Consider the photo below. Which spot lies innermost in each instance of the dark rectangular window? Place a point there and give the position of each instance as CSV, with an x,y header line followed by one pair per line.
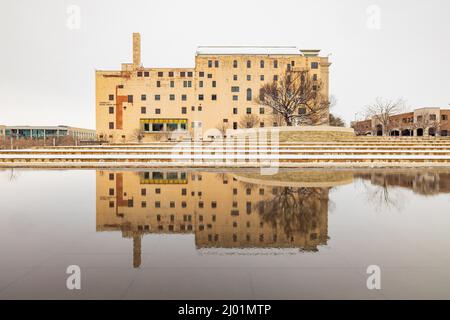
x,y
235,64
143,110
275,63
209,75
111,125
235,110
314,65
235,98
160,74
143,97
213,84
214,97
315,77
249,64
234,89
261,64
200,97
172,97
130,98
216,63
157,97
201,74
183,110
170,73
158,111
209,63
249,111
111,110
182,74
146,74
190,74
172,84
275,78
261,110
111,97
139,73
261,77
235,77
183,97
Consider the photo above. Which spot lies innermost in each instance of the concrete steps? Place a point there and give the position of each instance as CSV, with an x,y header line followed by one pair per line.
x,y
345,153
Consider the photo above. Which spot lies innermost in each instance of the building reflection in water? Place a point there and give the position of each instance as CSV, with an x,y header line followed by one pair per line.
x,y
222,210
424,182
237,210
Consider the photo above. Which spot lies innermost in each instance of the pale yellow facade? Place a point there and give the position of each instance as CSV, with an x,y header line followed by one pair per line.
x,y
217,93
218,208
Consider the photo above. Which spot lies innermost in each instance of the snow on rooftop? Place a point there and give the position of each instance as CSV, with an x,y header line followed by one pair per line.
x,y
224,50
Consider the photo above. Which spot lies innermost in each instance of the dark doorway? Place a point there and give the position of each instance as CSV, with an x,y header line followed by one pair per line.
x,y
406,133
420,132
379,130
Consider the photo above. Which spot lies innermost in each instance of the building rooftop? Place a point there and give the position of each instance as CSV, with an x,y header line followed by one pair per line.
x,y
250,50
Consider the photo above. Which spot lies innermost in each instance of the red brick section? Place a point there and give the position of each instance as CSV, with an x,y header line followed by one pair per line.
x,y
120,202
445,124
119,109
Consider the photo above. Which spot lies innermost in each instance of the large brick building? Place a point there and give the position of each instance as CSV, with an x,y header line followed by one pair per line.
x,y
217,92
420,122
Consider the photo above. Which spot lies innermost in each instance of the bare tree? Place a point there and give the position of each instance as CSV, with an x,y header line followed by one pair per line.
x,y
335,121
297,97
249,121
138,135
223,127
428,121
382,110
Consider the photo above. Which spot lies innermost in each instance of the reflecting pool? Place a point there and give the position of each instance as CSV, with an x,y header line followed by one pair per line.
x,y
214,234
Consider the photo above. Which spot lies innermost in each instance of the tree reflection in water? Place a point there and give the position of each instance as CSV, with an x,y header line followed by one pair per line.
x,y
294,209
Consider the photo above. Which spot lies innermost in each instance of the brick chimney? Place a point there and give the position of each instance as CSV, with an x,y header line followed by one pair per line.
x,y
136,49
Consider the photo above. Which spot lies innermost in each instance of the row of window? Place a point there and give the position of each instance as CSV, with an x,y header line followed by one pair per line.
x,y
215,64
262,64
200,108
200,97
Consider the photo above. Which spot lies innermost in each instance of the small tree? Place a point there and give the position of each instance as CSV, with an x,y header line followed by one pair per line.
x,y
428,121
335,121
249,121
297,97
223,127
382,110
138,135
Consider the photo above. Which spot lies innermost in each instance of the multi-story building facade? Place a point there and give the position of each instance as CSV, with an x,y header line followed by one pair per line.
x,y
41,132
420,122
218,92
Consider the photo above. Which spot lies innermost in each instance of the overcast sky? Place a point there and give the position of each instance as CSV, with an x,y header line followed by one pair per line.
x,y
378,48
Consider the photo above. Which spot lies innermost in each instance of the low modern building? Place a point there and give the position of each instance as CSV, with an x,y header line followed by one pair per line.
x,y
217,93
41,132
420,122
2,131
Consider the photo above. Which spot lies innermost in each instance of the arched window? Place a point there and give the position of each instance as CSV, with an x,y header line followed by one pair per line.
x,y
249,94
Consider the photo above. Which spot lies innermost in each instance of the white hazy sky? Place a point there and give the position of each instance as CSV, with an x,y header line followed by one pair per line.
x,y
47,69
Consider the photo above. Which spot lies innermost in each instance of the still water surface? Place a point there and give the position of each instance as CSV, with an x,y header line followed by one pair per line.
x,y
167,234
